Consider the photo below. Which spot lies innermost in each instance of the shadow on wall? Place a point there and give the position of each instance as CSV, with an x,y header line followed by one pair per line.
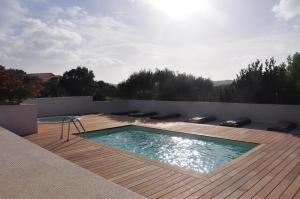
x,y
183,120
21,119
262,113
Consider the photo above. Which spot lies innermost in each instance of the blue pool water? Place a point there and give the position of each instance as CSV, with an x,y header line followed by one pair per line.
x,y
55,119
199,153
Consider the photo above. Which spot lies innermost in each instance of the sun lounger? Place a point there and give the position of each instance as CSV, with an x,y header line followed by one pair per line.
x,y
236,122
202,120
124,112
142,114
283,126
165,116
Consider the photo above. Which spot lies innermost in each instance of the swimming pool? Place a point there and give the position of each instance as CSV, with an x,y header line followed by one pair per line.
x,y
194,152
56,119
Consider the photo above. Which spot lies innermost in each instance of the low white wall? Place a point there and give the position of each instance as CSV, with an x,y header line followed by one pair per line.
x,y
21,119
52,106
266,113
110,106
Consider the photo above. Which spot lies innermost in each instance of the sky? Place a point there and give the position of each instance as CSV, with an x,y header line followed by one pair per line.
x,y
114,38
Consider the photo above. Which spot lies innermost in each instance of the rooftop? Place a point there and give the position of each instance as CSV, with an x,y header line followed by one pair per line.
x,y
43,76
271,170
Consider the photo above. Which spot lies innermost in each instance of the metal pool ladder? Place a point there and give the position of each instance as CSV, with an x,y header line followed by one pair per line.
x,y
69,120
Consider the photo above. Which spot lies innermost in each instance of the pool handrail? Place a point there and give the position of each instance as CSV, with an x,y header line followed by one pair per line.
x,y
70,119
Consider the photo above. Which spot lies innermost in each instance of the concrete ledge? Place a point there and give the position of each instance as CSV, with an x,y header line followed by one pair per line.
x,y
29,171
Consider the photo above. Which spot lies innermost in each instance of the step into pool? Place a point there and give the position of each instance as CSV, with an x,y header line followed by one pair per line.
x,y
194,152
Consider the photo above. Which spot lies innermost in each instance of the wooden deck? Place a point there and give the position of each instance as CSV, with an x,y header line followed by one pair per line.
x,y
271,170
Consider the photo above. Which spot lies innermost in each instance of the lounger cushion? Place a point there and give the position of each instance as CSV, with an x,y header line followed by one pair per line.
x,y
237,122
124,112
142,114
165,116
201,120
283,126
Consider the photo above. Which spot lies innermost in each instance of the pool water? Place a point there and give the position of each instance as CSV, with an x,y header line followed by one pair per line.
x,y
56,119
194,152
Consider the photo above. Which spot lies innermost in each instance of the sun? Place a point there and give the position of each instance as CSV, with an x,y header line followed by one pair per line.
x,y
181,9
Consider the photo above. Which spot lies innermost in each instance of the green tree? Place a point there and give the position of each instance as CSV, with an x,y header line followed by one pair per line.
x,y
78,82
293,67
165,85
52,88
104,91
266,83
137,86
293,73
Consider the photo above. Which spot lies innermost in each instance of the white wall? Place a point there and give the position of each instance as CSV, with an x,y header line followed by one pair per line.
x,y
53,106
266,113
21,119
110,106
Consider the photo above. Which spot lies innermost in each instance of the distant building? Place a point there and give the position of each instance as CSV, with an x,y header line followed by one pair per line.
x,y
43,76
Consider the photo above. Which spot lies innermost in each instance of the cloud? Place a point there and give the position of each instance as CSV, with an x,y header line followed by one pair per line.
x,y
60,37
11,12
287,9
68,37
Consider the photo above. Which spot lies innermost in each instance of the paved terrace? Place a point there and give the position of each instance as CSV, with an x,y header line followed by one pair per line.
x,y
271,170
28,171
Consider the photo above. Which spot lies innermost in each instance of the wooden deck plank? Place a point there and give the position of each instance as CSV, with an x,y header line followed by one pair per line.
x,y
144,178
291,191
133,174
150,174
165,184
271,170
162,182
250,188
185,187
216,187
283,185
171,188
224,175
146,185
274,181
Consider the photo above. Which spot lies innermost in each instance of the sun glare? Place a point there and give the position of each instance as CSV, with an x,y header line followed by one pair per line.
x,y
181,9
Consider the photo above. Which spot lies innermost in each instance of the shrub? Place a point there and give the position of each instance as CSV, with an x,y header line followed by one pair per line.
x,y
16,86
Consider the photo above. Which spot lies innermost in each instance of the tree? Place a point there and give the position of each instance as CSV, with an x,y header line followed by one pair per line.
x,y
52,88
16,85
266,83
104,91
137,86
165,85
293,67
78,82
293,73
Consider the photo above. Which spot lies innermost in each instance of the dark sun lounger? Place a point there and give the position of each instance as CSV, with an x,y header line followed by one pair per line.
x,y
201,120
283,126
142,114
165,116
237,122
124,112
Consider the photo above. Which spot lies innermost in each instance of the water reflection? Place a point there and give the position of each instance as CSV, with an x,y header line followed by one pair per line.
x,y
198,153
